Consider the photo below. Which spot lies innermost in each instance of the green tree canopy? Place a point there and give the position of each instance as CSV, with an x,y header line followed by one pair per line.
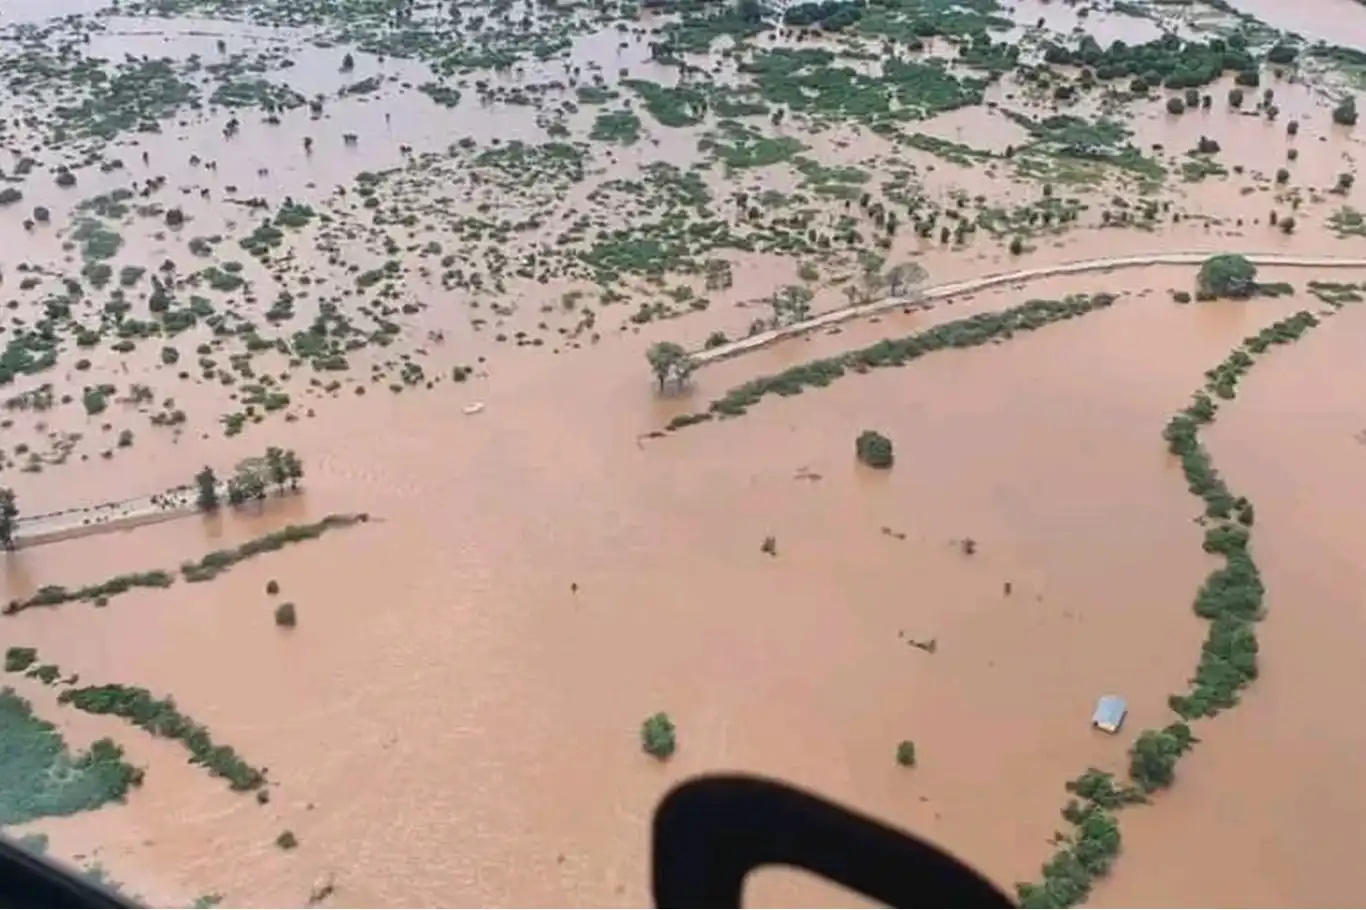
x,y
9,514
669,360
1153,757
658,736
1228,275
873,449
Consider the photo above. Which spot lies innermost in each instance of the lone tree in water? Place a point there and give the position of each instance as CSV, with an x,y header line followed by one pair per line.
x,y
873,449
206,482
1228,275
8,513
669,361
657,736
1345,114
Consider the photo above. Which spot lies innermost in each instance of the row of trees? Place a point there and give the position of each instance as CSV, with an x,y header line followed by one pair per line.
x,y
254,476
252,480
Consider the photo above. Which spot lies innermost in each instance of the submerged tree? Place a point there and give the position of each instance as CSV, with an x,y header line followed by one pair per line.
x,y
790,304
286,615
206,483
669,361
873,449
1345,113
1228,275
657,736
294,468
9,513
279,470
249,482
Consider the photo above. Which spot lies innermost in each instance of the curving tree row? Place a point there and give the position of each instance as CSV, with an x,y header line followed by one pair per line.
x,y
1231,599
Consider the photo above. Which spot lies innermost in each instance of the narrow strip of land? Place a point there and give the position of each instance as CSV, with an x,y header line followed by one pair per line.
x,y
939,292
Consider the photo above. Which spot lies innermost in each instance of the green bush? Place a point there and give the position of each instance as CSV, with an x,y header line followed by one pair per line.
x,y
286,616
1153,756
873,449
1228,275
17,660
657,736
905,753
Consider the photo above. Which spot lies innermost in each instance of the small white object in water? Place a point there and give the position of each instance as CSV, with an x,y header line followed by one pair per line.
x,y
475,408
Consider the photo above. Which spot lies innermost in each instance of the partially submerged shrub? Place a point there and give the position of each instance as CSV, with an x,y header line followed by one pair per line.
x,y
1228,275
286,616
657,736
17,660
873,449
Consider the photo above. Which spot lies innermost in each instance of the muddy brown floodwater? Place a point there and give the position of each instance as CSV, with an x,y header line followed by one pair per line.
x,y
455,721
457,727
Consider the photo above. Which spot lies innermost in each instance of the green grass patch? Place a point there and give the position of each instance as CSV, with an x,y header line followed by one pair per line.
x,y
41,778
622,127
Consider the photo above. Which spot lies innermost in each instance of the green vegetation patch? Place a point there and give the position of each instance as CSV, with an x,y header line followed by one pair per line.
x,y
809,81
658,736
671,106
622,127
98,593
740,146
41,778
160,717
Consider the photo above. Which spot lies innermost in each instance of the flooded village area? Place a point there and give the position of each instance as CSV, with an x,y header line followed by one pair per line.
x,y
430,430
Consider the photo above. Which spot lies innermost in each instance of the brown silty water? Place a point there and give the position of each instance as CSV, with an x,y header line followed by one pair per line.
x,y
452,724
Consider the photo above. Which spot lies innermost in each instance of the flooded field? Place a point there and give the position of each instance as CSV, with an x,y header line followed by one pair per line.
x,y
430,431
